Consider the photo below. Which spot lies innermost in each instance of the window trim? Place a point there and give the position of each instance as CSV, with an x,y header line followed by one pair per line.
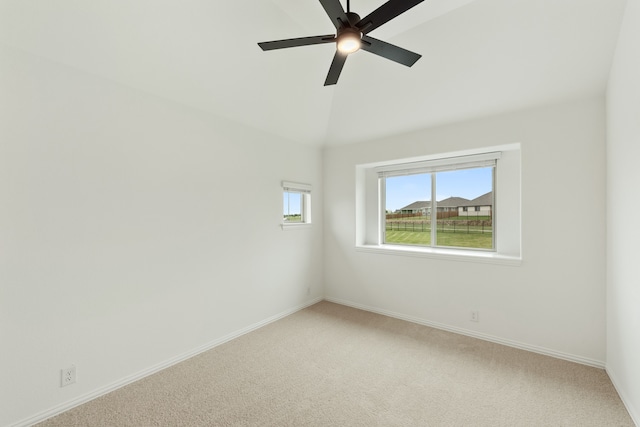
x,y
454,254
443,164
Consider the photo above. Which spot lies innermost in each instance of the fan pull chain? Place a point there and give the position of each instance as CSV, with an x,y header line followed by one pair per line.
x,y
348,7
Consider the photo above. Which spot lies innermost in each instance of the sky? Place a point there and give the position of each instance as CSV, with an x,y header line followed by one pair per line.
x,y
291,203
467,183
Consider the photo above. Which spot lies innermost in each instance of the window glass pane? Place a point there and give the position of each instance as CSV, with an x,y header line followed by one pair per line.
x,y
465,208
408,210
292,206
464,217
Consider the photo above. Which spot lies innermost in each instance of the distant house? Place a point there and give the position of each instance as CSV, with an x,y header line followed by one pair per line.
x,y
480,206
417,208
451,204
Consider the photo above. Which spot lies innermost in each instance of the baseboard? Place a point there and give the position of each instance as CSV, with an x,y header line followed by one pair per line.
x,y
58,409
633,412
473,334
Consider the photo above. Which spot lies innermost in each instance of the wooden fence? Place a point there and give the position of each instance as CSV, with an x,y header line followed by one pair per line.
x,y
441,215
445,226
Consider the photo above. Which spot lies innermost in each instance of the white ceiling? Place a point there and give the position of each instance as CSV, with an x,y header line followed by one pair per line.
x,y
480,57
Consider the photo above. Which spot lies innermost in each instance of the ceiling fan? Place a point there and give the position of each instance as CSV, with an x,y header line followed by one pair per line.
x,y
352,35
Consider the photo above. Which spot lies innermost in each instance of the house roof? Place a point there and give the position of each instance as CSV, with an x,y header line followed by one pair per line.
x,y
416,205
476,54
484,200
453,202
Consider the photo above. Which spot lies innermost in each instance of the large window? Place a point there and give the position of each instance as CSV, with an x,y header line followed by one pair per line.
x,y
296,204
445,203
459,205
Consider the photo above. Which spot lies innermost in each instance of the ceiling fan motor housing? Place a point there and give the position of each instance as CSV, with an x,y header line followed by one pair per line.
x,y
349,32
354,18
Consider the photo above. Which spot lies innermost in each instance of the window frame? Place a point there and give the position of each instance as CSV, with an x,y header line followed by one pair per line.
x,y
432,168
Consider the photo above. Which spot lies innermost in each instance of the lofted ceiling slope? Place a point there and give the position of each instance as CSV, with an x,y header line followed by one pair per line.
x,y
480,57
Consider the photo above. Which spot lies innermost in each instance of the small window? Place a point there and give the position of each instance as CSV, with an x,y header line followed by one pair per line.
x,y
427,203
296,204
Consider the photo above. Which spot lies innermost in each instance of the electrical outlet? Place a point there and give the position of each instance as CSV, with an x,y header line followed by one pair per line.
x,y
68,376
475,316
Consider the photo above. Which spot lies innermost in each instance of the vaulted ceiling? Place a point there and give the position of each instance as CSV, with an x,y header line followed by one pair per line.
x,y
479,57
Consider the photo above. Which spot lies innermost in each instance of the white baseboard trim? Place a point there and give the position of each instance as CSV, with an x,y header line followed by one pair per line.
x,y
58,409
633,412
522,346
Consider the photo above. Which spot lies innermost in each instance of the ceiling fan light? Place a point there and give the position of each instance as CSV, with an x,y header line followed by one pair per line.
x,y
349,41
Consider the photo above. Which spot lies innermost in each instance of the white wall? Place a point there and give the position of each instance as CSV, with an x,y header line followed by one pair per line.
x,y
623,235
133,231
554,301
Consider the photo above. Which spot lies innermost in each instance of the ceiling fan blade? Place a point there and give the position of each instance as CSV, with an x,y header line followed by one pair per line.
x,y
302,41
389,51
336,67
335,11
385,13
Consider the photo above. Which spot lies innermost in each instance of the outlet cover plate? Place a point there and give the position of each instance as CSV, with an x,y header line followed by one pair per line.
x,y
67,376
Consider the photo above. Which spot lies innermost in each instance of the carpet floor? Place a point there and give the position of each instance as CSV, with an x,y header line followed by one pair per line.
x,y
331,365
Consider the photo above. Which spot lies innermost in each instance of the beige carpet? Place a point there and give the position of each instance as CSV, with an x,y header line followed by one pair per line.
x,y
330,365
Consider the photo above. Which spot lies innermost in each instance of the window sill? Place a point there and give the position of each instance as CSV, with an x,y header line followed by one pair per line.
x,y
442,253
295,226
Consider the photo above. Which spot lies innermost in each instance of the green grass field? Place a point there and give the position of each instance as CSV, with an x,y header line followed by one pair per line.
x,y
462,240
